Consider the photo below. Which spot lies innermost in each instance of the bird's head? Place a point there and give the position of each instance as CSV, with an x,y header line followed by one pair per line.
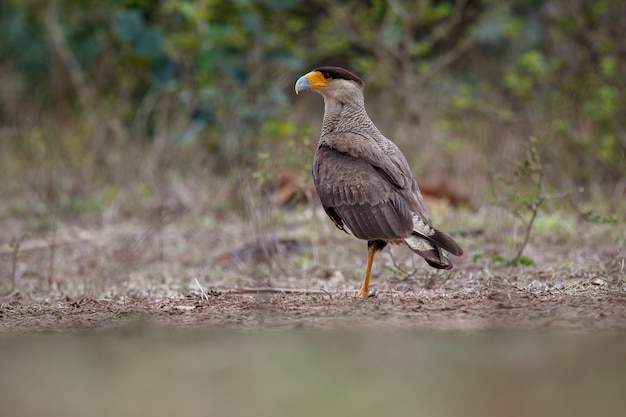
x,y
330,81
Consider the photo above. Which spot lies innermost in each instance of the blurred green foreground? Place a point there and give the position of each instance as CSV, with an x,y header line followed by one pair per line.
x,y
207,372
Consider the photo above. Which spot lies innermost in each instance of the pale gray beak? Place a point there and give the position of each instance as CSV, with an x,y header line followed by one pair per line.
x,y
302,84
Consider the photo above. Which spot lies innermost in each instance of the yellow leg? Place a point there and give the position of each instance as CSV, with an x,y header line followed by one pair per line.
x,y
371,251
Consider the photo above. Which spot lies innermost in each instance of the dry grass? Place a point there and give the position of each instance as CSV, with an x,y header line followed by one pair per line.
x,y
155,260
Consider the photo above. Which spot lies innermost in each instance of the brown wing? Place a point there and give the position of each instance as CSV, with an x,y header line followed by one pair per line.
x,y
357,194
390,163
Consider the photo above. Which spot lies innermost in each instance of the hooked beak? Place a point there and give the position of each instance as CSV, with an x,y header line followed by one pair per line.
x,y
302,84
314,80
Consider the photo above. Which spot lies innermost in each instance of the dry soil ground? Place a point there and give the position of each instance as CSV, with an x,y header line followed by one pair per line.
x,y
292,269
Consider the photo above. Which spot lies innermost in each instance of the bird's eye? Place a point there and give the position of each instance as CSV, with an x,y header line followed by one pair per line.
x,y
327,75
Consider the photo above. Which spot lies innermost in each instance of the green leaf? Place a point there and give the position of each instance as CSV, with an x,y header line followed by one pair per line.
x,y
143,40
127,25
523,260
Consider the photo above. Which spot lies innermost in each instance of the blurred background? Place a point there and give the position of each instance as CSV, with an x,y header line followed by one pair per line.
x,y
115,102
142,373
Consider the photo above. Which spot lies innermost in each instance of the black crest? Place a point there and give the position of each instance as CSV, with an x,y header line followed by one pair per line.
x,y
340,73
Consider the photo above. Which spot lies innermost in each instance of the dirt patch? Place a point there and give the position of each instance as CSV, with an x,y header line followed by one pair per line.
x,y
192,273
495,306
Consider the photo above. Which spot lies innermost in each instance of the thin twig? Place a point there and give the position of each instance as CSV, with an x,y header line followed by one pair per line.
x,y
15,246
331,296
16,250
204,295
74,70
77,76
76,236
271,290
53,246
529,227
402,271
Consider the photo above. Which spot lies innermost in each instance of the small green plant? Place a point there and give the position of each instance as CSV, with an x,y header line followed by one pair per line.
x,y
526,196
594,216
499,261
533,170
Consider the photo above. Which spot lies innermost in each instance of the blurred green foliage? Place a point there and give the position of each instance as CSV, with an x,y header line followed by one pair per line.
x,y
556,72
80,79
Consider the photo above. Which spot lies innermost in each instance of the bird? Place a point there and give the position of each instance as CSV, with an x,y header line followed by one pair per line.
x,y
363,180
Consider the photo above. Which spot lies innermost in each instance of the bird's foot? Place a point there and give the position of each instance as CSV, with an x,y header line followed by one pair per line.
x,y
363,294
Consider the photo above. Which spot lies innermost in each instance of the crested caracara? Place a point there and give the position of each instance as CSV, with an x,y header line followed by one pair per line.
x,y
363,180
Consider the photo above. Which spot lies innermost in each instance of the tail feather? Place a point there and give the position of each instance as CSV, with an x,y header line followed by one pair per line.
x,y
441,240
436,259
428,243
423,230
429,250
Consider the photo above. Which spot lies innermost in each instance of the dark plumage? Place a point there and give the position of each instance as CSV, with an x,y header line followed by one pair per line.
x,y
363,180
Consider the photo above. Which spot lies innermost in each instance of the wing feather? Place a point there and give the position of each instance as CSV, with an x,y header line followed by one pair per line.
x,y
364,200
390,162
